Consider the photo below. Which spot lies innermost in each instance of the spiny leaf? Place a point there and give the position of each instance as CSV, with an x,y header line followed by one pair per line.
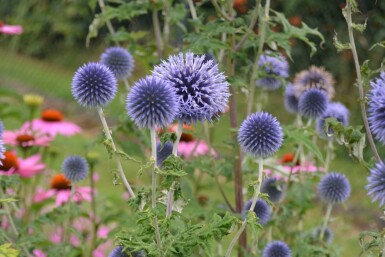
x,y
339,45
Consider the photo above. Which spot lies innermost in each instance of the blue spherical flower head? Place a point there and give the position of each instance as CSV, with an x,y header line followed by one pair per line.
x,y
327,237
273,188
376,183
334,188
260,134
94,85
333,110
291,101
262,210
75,168
162,152
119,60
276,69
276,249
118,252
312,103
152,102
202,90
376,108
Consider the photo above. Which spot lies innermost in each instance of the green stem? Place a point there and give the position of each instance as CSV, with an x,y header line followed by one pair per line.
x,y
157,32
329,154
257,189
326,220
127,85
108,22
117,157
348,18
179,131
153,188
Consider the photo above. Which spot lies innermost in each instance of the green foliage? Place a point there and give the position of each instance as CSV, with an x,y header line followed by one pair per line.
x,y
6,250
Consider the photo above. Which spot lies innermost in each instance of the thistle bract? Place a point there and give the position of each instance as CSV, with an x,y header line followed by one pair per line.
x,y
334,188
333,110
119,60
94,85
276,69
262,210
152,102
260,134
312,103
75,168
376,183
376,108
276,249
202,91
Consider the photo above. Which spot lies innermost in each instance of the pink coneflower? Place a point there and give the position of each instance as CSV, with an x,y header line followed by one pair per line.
x,y
10,29
26,138
52,123
24,167
61,190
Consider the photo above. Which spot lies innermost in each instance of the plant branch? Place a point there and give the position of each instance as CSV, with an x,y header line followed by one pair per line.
x,y
326,220
157,32
220,12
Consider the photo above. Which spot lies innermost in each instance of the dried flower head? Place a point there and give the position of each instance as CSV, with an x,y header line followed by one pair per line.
x,y
260,134
276,249
314,77
119,60
276,68
273,188
75,168
312,103
152,102
262,210
94,85
334,188
333,110
201,89
376,183
376,107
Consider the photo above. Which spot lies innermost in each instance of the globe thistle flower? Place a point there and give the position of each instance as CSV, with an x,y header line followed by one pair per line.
x,y
1,128
291,101
162,152
312,103
276,69
376,108
152,102
119,60
327,237
262,210
94,85
314,77
334,188
75,168
201,89
260,134
333,110
276,249
273,188
376,183
118,252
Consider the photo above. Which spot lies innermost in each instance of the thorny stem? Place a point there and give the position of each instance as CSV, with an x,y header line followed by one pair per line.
x,y
157,32
348,18
117,157
153,188
326,220
257,189
262,36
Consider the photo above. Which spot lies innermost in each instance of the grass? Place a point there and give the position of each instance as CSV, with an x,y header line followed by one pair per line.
x,y
23,74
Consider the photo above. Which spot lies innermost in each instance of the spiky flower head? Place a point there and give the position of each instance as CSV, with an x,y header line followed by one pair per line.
x,y
94,85
290,101
262,210
333,110
260,134
276,249
327,237
201,89
118,252
314,77
119,60
334,188
312,103
276,68
376,183
162,152
75,168
376,107
273,188
152,102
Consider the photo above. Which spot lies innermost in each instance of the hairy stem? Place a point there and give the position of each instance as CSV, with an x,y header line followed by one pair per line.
x,y
326,220
348,18
257,189
117,157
